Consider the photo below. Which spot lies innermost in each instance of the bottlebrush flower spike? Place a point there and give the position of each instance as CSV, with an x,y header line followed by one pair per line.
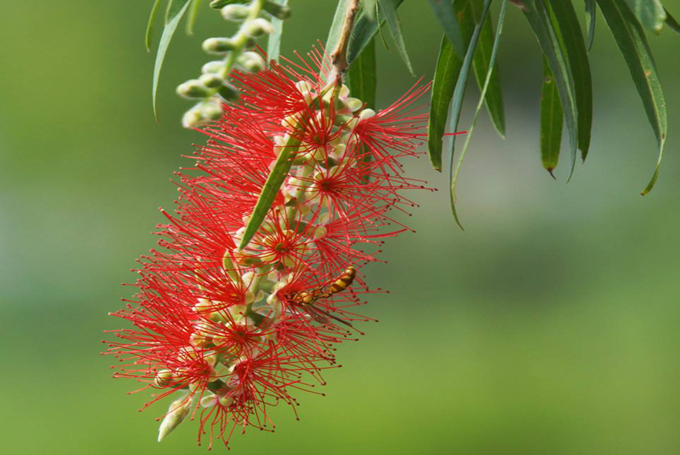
x,y
228,332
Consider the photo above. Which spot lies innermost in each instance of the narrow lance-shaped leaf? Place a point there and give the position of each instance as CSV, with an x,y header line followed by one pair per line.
x,y
569,33
631,40
485,87
364,30
672,23
551,120
271,188
148,36
459,89
278,174
274,43
538,16
174,16
363,82
650,13
174,7
389,11
591,11
193,15
468,13
445,77
445,14
362,76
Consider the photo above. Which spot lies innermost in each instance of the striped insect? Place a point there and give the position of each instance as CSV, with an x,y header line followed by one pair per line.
x,y
307,299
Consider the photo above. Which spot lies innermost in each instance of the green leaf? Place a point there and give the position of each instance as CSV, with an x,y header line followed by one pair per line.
x,y
672,23
485,87
364,30
459,92
445,76
174,7
271,188
175,14
590,19
468,13
274,43
362,76
363,83
631,40
568,29
443,11
538,15
650,13
369,7
193,15
389,10
149,26
551,121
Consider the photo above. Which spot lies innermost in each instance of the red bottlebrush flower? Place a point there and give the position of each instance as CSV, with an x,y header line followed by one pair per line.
x,y
228,332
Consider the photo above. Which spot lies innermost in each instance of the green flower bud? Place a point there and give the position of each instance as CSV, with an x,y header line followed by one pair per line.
x,y
366,113
320,232
213,67
192,89
210,80
163,378
211,109
227,93
177,412
218,45
354,104
279,11
192,118
258,27
235,13
226,400
252,61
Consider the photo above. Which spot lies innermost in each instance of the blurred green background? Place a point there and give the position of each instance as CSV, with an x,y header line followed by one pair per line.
x,y
549,327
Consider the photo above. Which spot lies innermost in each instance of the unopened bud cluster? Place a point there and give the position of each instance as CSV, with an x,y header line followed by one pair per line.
x,y
212,88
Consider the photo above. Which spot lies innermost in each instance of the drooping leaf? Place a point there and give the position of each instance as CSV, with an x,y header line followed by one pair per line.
x,y
174,7
193,15
362,76
485,87
274,43
459,91
650,13
389,11
175,14
364,30
445,76
672,23
590,19
538,15
551,120
446,16
270,189
631,40
569,33
468,13
148,36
